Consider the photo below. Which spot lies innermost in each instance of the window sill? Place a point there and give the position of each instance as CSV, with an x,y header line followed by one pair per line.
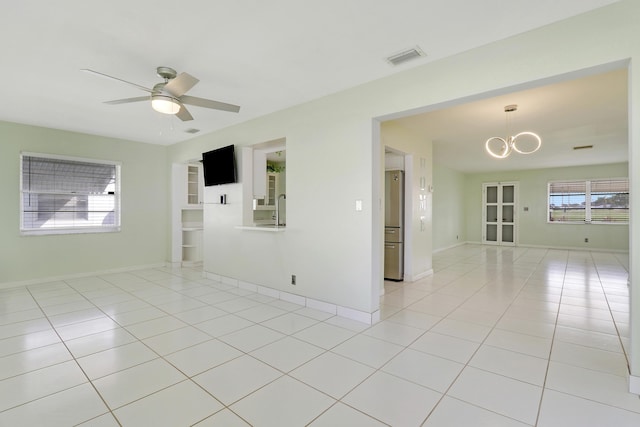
x,y
587,223
91,230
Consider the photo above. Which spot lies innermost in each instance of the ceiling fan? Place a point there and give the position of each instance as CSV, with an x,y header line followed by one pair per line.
x,y
169,96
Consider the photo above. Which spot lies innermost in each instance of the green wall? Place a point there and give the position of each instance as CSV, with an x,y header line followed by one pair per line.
x,y
142,240
533,227
457,208
449,216
418,242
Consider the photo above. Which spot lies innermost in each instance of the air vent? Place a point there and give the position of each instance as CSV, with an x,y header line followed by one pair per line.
x,y
407,55
582,147
192,130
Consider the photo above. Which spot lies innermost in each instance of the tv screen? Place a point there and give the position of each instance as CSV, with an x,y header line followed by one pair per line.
x,y
219,166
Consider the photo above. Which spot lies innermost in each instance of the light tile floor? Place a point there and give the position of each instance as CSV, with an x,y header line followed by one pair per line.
x,y
496,337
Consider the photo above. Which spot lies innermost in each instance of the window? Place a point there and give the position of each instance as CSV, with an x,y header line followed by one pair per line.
x,y
68,195
603,201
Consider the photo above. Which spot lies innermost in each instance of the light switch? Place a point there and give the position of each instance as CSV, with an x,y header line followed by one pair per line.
x,y
358,205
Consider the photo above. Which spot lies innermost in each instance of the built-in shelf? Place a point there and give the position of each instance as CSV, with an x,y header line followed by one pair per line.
x,y
186,213
192,227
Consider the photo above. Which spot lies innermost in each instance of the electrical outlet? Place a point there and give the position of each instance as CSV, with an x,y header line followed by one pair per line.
x,y
586,240
293,279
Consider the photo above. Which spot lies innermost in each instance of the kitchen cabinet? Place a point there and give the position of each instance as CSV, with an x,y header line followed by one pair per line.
x,y
272,188
194,185
499,214
259,174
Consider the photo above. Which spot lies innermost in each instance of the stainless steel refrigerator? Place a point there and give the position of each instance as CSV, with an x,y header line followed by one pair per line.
x,y
394,225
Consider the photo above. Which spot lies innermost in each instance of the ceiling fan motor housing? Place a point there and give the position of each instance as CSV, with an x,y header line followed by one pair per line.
x,y
158,89
166,73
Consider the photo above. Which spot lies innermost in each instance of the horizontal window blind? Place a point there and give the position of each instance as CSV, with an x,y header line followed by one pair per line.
x,y
69,194
591,201
610,186
610,201
569,187
567,201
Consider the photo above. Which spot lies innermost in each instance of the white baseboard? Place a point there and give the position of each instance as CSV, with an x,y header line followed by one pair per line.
x,y
573,248
422,275
346,312
435,251
36,281
523,245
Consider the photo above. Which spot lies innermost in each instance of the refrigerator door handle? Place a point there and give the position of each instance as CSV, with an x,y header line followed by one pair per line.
x,y
390,246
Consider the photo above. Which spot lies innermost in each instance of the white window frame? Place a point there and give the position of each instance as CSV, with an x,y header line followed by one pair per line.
x,y
24,230
587,209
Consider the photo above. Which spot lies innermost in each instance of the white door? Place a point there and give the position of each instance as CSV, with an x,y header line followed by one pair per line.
x,y
499,222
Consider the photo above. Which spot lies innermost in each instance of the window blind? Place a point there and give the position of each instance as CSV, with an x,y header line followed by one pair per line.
x,y
567,201
610,201
595,201
69,194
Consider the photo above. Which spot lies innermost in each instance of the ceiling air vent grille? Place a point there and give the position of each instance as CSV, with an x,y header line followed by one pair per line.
x,y
192,130
407,55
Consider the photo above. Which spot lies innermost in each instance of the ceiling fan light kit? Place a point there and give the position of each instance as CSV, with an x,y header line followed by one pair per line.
x,y
169,96
165,104
500,148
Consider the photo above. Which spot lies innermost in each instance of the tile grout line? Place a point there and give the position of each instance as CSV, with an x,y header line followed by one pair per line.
x,y
615,324
466,364
160,356
553,338
472,356
169,287
76,363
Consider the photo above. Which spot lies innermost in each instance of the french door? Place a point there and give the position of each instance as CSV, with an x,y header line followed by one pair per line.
x,y
499,213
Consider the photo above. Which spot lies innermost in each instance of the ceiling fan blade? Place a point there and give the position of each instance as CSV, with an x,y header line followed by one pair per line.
x,y
184,114
86,70
181,84
127,100
209,103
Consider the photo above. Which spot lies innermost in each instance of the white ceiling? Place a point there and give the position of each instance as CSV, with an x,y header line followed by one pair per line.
x,y
589,110
261,55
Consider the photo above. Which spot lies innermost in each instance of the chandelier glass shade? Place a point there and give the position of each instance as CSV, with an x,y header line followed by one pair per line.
x,y
501,148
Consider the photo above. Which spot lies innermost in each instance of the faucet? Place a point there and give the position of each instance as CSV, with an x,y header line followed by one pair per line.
x,y
284,196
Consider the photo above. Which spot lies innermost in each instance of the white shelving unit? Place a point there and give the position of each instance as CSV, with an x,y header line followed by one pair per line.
x,y
192,228
187,217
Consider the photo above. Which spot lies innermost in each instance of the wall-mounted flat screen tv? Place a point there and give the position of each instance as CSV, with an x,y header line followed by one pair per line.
x,y
219,166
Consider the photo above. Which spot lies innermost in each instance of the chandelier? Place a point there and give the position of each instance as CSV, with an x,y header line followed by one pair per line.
x,y
500,148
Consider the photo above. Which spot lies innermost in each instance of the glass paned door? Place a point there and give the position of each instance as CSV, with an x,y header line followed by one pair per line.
x,y
491,212
499,213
